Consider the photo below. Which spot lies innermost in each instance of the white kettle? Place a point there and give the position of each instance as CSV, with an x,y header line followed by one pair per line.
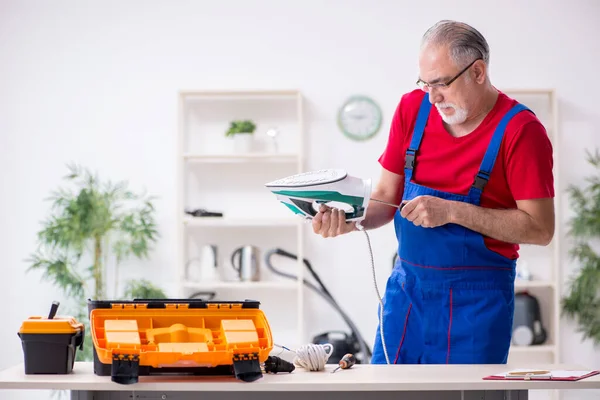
x,y
206,270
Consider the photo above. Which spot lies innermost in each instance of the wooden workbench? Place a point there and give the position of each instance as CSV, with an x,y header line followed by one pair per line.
x,y
359,382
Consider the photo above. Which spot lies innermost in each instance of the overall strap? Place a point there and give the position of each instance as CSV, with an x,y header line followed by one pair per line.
x,y
487,164
422,116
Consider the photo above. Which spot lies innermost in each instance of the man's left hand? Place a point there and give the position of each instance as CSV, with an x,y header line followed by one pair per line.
x,y
427,211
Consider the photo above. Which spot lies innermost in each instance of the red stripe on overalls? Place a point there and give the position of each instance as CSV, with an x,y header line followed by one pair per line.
x,y
456,268
449,328
404,332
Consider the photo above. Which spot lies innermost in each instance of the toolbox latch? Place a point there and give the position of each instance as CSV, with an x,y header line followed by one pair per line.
x,y
176,306
246,367
79,339
125,368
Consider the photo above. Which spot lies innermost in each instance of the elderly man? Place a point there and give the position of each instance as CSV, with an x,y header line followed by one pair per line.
x,y
474,178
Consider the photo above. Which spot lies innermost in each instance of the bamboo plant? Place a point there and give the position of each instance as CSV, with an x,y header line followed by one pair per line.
x,y
91,226
582,303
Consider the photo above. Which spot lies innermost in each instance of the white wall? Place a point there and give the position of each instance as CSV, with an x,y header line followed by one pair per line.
x,y
96,83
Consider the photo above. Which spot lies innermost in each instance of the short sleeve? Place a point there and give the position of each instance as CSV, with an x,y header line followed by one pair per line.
x,y
529,165
392,157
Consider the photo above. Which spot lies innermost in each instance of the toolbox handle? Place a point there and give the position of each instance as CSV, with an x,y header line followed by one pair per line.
x,y
53,309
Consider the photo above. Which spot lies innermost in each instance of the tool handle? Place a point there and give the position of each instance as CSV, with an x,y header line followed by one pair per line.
x,y
347,361
53,309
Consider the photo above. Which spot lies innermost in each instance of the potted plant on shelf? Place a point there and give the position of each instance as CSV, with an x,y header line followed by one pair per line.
x,y
582,302
89,227
242,132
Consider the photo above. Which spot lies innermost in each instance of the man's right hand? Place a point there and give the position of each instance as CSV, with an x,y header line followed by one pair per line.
x,y
331,222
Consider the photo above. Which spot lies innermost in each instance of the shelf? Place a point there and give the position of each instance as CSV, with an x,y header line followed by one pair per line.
x,y
544,348
242,222
521,284
242,158
241,285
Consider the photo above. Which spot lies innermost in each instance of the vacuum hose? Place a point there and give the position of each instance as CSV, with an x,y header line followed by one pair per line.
x,y
323,292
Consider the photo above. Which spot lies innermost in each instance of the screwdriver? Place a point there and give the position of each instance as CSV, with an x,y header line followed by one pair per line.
x,y
346,362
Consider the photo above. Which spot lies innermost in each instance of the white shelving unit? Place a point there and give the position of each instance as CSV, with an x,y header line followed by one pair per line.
x,y
543,262
216,176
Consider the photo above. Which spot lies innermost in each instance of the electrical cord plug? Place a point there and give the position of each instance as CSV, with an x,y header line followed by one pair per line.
x,y
275,364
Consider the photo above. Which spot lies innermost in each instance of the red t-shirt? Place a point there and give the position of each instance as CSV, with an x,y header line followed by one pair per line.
x,y
523,167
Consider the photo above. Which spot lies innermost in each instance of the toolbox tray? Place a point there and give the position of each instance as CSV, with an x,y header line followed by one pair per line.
x,y
178,337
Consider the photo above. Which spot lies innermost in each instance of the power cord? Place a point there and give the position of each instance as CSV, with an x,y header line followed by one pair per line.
x,y
361,228
312,357
275,364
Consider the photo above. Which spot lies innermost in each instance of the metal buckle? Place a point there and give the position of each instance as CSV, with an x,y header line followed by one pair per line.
x,y
409,161
481,180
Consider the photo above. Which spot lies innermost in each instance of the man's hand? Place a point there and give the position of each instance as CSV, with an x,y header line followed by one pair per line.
x,y
331,222
427,211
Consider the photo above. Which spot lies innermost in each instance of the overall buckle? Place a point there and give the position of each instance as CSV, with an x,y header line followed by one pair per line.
x,y
481,180
409,160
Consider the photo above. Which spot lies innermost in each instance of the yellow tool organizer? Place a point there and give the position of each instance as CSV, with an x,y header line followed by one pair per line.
x,y
143,337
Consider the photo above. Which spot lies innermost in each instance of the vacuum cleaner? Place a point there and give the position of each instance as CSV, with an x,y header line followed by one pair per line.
x,y
528,329
341,341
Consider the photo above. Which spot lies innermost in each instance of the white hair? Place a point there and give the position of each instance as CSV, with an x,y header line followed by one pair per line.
x,y
465,42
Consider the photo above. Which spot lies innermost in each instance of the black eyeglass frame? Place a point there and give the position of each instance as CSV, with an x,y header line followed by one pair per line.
x,y
422,84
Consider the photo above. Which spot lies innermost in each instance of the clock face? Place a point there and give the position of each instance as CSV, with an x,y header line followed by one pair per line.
x,y
359,118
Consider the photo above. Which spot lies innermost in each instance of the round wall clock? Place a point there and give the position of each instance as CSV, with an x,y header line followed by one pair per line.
x,y
359,118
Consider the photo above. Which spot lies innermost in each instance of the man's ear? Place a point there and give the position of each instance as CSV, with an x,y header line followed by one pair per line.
x,y
479,71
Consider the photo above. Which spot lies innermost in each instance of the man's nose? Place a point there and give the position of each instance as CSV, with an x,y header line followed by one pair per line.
x,y
435,96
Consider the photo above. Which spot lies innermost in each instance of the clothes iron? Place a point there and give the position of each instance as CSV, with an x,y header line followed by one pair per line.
x,y
305,192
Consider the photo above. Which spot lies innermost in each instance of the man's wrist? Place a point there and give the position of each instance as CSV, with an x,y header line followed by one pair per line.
x,y
455,211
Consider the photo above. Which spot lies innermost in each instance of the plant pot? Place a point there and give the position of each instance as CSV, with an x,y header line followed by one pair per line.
x,y
243,142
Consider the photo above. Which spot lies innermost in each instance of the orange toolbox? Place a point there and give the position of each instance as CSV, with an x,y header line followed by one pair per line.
x,y
187,336
50,343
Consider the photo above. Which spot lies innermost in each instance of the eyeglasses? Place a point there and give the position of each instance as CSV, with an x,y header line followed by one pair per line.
x,y
438,85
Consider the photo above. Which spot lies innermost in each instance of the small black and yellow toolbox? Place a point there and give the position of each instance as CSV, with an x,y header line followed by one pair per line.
x,y
187,336
50,343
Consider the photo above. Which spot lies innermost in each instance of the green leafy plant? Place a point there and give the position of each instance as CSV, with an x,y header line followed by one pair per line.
x,y
87,229
583,300
242,126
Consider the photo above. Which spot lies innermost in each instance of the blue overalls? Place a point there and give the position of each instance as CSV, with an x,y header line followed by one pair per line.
x,y
449,298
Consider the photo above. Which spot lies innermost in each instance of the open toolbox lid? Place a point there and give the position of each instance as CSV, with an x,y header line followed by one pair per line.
x,y
180,333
